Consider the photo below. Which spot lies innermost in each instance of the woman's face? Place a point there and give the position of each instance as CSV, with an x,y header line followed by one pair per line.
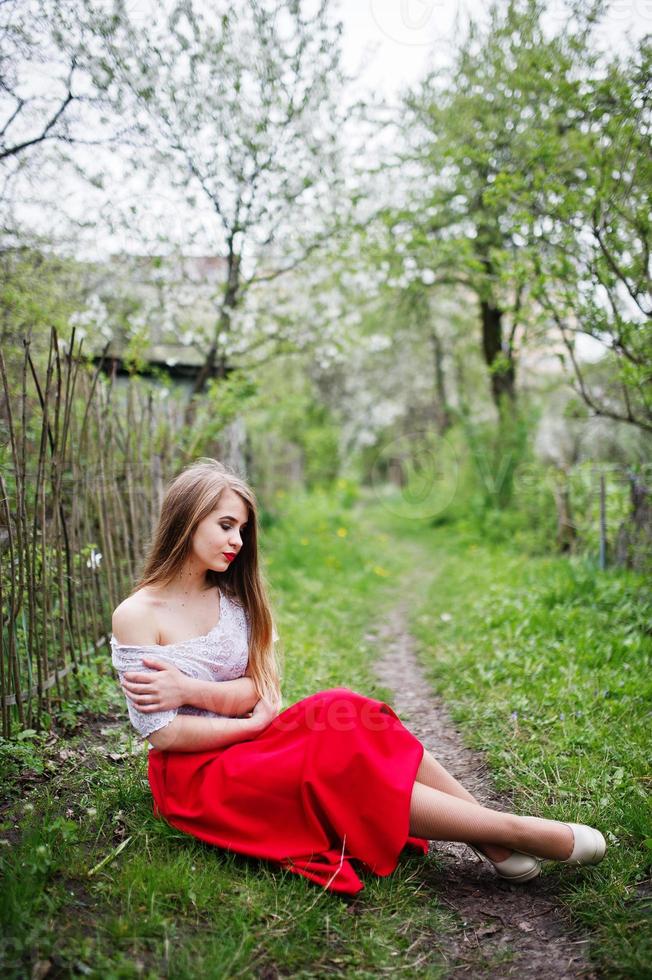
x,y
217,539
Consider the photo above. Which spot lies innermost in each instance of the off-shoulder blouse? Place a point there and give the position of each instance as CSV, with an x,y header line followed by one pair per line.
x,y
221,654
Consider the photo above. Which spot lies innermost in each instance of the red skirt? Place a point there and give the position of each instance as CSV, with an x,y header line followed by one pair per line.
x,y
327,782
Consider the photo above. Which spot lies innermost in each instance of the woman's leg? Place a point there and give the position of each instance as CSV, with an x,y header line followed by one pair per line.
x,y
436,815
432,773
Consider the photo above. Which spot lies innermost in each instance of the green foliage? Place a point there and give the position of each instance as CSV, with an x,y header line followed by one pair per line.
x,y
496,452
293,434
25,751
488,128
221,402
347,493
38,290
540,144
318,437
134,355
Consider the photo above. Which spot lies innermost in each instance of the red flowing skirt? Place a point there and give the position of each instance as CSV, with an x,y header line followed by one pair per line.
x,y
327,782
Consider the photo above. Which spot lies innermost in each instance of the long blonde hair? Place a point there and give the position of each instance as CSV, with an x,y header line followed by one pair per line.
x,y
189,498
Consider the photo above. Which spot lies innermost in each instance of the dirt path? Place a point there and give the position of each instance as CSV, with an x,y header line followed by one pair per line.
x,y
506,930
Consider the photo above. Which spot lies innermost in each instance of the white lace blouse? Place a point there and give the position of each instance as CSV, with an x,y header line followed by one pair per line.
x,y
221,654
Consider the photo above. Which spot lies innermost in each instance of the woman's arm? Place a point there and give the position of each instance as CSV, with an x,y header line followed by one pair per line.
x,y
234,698
172,688
193,733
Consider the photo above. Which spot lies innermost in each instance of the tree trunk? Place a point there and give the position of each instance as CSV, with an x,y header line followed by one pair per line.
x,y
503,372
232,446
215,364
442,415
634,541
566,532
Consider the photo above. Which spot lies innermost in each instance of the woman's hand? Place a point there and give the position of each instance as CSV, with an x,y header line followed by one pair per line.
x,y
264,713
161,691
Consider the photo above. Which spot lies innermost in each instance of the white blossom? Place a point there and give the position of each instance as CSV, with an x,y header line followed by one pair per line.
x,y
94,560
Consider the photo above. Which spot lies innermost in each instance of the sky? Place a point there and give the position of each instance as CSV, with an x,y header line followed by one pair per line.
x,y
401,38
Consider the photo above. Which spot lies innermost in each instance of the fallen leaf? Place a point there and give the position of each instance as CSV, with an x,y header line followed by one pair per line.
x,y
40,969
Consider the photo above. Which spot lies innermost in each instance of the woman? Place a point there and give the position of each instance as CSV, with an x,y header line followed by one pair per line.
x,y
332,778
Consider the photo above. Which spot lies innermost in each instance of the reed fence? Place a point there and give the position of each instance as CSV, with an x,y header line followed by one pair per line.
x,y
83,467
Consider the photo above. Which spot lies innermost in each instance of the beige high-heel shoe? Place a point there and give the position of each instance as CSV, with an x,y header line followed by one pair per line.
x,y
517,867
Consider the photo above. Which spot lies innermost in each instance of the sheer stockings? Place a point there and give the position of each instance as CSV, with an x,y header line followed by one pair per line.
x,y
432,773
437,815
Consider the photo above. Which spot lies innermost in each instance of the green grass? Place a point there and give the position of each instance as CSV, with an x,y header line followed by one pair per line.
x,y
165,904
546,665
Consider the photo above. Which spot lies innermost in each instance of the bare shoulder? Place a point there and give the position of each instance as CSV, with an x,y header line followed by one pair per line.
x,y
134,620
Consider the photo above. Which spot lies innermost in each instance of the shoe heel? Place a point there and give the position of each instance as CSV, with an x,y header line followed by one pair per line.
x,y
518,867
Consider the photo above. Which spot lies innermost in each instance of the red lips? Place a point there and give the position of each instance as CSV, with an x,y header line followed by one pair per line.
x,y
229,555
